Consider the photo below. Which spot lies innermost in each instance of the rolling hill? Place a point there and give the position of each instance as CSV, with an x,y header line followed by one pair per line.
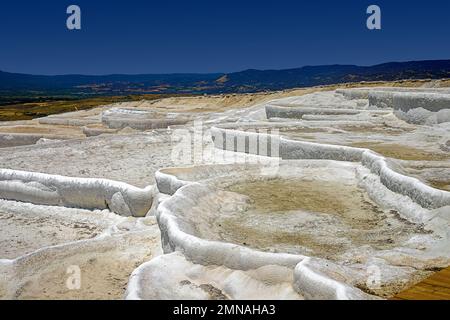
x,y
245,81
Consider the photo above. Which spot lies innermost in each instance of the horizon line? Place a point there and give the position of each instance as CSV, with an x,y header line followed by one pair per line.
x,y
216,73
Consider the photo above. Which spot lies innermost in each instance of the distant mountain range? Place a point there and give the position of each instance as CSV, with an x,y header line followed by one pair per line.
x,y
244,81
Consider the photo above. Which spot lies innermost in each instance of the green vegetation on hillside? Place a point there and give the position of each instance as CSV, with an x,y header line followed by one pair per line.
x,y
42,107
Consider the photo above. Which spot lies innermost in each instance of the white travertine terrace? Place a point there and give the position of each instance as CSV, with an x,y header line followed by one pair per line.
x,y
180,230
39,188
105,258
364,93
414,105
118,118
289,149
427,108
12,140
347,148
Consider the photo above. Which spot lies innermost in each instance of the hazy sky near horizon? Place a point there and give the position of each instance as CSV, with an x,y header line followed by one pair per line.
x,y
145,36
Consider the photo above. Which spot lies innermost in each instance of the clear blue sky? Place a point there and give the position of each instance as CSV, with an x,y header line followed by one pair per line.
x,y
145,36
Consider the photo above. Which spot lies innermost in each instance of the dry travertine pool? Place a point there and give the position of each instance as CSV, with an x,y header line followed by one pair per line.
x,y
22,234
26,228
316,210
299,133
434,173
104,273
315,218
389,143
403,152
319,218
39,243
336,212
